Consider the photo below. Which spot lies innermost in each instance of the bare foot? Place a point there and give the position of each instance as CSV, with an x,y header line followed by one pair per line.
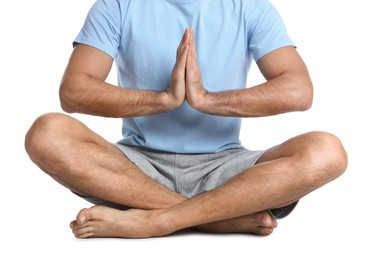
x,y
259,223
101,221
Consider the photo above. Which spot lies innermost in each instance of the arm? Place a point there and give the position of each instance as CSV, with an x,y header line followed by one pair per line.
x,y
83,88
288,88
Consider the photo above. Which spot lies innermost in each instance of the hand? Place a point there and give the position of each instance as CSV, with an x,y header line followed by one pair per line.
x,y
195,92
176,91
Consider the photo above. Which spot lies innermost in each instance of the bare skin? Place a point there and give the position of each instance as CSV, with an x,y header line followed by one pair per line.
x,y
101,173
100,221
220,204
94,167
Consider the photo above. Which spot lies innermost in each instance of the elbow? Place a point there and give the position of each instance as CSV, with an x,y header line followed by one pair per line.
x,y
308,96
67,108
307,105
304,97
305,102
67,100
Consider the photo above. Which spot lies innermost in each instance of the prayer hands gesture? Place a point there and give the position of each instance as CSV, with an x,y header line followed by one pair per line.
x,y
186,82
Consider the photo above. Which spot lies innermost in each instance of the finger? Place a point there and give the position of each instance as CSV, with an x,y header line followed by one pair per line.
x,y
192,57
193,48
184,41
183,57
191,36
192,62
186,36
181,62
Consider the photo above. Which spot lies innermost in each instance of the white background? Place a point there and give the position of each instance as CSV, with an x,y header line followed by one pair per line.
x,y
333,37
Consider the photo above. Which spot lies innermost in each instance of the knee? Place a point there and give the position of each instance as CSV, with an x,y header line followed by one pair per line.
x,y
327,154
42,133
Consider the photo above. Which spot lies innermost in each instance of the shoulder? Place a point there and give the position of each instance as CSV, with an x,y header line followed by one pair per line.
x,y
257,12
114,5
113,11
256,7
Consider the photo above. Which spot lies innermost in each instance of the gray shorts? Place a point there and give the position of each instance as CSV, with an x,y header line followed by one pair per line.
x,y
189,174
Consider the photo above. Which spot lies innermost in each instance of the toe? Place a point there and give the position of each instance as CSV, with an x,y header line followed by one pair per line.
x,y
264,231
275,223
83,232
73,225
83,216
263,219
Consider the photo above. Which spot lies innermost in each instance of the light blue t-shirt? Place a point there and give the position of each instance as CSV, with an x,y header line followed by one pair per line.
x,y
143,35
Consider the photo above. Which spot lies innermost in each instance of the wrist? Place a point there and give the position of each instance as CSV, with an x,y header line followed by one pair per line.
x,y
168,101
202,102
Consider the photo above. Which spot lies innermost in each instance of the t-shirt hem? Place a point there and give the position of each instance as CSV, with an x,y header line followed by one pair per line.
x,y
259,55
94,45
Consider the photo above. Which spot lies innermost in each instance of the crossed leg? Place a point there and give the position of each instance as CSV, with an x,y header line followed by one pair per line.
x,y
87,164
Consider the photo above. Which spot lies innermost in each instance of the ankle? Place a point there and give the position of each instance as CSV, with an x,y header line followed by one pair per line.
x,y
162,222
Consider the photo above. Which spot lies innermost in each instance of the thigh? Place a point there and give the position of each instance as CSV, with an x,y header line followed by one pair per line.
x,y
318,156
296,146
56,132
64,147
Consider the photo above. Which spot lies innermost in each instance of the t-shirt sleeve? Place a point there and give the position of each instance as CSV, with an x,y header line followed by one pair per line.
x,y
101,28
266,30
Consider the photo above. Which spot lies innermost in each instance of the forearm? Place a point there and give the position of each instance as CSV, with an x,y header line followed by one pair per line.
x,y
280,95
88,95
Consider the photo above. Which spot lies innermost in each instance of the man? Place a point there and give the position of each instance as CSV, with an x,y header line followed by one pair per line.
x,y
182,67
